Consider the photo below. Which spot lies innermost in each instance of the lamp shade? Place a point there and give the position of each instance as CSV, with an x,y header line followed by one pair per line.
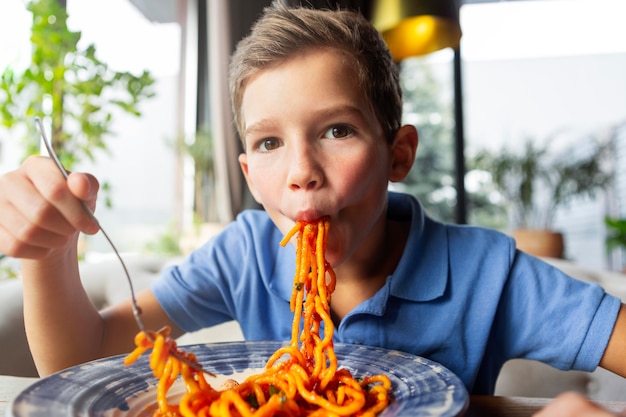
x,y
417,27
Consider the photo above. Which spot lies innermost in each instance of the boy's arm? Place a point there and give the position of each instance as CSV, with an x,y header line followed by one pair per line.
x,y
614,358
40,220
65,329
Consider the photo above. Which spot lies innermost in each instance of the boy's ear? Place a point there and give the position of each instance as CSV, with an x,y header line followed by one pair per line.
x,y
243,163
403,150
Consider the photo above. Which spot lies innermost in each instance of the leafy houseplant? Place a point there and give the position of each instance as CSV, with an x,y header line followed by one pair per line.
x,y
6,270
616,237
535,183
617,233
202,153
67,86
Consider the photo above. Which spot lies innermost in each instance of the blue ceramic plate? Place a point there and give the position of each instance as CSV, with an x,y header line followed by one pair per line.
x,y
107,388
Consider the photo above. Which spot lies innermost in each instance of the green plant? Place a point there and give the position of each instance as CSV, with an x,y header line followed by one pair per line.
x,y
7,271
535,182
616,237
166,244
68,87
203,155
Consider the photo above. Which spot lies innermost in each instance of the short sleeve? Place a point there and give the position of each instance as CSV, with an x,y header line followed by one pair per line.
x,y
551,317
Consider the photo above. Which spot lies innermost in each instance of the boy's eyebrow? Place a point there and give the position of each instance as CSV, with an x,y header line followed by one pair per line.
x,y
342,109
260,126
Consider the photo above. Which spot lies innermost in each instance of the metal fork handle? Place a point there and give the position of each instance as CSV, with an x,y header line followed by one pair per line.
x,y
55,158
136,308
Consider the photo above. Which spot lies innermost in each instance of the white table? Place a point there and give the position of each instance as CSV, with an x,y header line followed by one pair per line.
x,y
10,387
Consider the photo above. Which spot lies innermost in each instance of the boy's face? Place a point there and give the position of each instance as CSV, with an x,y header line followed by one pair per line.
x,y
314,148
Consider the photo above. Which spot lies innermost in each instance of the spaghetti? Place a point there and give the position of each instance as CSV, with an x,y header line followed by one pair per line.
x,y
307,383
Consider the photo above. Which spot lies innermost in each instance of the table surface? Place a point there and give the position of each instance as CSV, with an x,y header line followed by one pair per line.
x,y
488,406
10,387
480,406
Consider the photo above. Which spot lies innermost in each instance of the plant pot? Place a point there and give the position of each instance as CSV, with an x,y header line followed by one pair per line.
x,y
542,243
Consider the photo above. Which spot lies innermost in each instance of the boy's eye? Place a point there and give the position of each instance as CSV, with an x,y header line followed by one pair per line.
x,y
268,144
338,131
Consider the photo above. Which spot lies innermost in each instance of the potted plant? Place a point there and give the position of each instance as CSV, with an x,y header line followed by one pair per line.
x,y
535,182
69,87
616,237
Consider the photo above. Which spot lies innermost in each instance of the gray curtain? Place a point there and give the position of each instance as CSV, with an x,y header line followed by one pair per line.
x,y
228,178
226,22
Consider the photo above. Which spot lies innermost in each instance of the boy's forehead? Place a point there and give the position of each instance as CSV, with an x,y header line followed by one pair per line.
x,y
348,63
318,76
309,65
316,60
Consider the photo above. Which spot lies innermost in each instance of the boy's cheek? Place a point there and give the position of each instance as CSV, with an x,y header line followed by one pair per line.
x,y
245,169
253,189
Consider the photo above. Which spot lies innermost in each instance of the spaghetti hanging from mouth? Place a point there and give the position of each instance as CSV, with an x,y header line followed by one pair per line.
x,y
300,379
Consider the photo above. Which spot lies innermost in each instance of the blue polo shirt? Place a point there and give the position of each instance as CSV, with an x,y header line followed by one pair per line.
x,y
461,296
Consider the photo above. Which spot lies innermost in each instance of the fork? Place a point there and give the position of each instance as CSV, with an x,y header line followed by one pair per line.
x,y
135,305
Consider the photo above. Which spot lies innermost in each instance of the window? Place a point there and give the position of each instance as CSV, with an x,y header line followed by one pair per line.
x,y
141,164
428,104
550,71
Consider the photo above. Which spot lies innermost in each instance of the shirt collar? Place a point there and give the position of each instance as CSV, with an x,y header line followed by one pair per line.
x,y
422,274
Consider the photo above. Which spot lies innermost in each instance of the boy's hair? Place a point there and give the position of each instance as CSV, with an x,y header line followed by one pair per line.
x,y
282,33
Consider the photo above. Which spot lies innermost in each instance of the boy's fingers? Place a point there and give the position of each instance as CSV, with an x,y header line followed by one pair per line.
x,y
39,211
55,190
20,249
572,404
27,220
40,193
23,230
23,205
84,186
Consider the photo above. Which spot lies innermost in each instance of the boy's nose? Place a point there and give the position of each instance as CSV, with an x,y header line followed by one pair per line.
x,y
304,173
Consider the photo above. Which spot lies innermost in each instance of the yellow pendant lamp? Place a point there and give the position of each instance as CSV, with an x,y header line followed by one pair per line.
x,y
417,27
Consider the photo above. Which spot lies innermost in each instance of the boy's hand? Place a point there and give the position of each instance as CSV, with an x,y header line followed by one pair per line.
x,y
572,404
40,211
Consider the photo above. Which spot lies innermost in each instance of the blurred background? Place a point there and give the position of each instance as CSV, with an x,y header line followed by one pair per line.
x,y
540,79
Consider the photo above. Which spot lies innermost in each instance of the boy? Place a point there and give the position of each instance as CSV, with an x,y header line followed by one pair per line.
x,y
318,107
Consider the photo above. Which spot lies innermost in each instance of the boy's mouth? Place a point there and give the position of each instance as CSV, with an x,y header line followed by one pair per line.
x,y
310,215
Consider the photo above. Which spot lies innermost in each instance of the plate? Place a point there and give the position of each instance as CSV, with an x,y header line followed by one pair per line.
x,y
107,388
